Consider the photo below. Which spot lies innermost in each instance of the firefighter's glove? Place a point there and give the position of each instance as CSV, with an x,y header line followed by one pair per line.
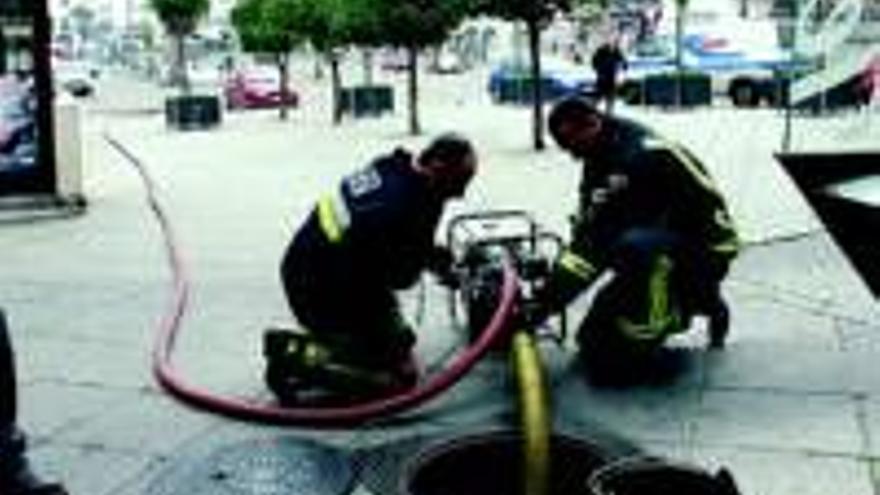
x,y
570,275
440,263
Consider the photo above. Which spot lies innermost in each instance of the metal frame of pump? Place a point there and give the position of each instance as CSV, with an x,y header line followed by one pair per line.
x,y
483,244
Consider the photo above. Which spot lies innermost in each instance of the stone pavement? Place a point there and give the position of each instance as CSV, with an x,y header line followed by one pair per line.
x,y
792,406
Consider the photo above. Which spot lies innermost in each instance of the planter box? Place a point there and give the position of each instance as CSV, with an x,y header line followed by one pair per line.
x,y
687,90
192,112
361,101
519,90
845,95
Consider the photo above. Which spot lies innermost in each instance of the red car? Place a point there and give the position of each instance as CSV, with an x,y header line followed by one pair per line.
x,y
257,88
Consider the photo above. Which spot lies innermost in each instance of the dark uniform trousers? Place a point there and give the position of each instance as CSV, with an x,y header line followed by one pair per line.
x,y
660,283
650,213
12,441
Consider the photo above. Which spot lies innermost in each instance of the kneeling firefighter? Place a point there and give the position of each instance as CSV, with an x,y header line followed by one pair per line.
x,y
372,235
651,214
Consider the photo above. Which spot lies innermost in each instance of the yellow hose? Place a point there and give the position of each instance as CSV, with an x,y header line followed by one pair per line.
x,y
534,413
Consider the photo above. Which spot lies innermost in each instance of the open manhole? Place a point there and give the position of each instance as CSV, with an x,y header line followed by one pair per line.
x,y
276,466
654,477
491,464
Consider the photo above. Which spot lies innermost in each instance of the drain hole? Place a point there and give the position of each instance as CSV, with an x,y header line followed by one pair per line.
x,y
491,464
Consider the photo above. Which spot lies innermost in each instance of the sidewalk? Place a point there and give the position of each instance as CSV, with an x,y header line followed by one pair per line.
x,y
792,406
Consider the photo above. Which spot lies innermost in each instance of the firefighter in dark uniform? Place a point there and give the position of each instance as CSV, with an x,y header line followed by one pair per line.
x,y
16,476
651,214
372,235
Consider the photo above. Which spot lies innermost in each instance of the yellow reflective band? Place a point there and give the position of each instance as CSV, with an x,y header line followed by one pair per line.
x,y
577,265
658,292
333,216
662,317
636,331
730,247
328,220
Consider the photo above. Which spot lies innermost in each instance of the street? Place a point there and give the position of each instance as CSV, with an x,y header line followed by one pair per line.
x,y
791,406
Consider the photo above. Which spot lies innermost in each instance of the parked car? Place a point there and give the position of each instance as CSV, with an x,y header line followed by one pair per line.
x,y
257,88
18,130
447,62
509,80
744,69
394,60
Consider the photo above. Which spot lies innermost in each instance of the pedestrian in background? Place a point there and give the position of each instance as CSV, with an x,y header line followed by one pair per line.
x,y
608,61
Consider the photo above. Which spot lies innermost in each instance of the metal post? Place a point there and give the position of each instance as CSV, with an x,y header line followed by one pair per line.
x,y
789,80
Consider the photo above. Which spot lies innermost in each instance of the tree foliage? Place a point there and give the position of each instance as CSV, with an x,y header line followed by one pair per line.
x,y
418,23
540,11
180,17
269,26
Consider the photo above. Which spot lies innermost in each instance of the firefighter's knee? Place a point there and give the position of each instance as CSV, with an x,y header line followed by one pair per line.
x,y
637,248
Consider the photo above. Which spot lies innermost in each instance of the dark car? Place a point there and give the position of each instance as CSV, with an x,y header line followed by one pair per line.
x,y
17,126
257,88
510,81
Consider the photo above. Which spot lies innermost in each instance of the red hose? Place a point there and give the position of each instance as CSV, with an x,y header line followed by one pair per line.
x,y
177,386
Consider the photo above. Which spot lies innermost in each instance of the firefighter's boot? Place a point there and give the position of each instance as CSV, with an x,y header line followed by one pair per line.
x,y
719,326
298,363
16,476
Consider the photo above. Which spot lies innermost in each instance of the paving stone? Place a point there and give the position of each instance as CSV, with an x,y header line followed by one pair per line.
x,y
148,424
808,268
872,426
46,409
760,322
785,473
84,363
90,471
113,312
859,336
781,367
775,420
639,413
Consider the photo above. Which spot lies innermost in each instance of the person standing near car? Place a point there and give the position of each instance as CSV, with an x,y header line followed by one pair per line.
x,y
608,61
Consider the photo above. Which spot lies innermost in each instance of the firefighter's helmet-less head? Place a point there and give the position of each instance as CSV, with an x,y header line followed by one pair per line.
x,y
576,126
450,163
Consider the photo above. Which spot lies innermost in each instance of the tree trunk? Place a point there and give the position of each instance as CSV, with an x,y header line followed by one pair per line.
x,y
284,70
744,8
537,96
413,55
180,62
318,73
367,63
336,83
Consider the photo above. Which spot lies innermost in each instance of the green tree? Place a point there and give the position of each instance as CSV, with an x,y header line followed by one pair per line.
x,y
180,18
329,25
412,25
271,27
536,14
